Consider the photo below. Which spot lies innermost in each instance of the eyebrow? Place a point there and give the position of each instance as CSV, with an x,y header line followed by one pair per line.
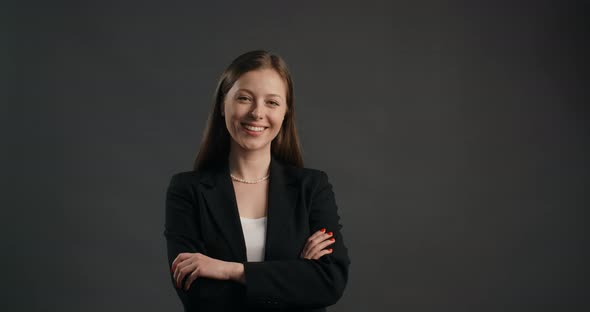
x,y
270,94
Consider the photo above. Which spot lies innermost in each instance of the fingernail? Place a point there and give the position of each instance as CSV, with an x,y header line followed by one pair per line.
x,y
330,233
172,270
330,250
332,239
323,230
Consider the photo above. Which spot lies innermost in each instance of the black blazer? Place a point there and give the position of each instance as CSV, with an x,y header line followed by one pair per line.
x,y
202,216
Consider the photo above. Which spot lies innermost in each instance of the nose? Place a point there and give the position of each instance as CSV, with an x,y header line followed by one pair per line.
x,y
257,111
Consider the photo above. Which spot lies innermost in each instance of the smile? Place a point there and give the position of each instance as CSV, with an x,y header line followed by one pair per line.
x,y
252,128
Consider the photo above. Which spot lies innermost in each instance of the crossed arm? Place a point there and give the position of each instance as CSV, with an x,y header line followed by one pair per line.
x,y
193,265
312,281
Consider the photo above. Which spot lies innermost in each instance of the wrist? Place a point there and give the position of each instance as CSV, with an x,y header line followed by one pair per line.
x,y
236,272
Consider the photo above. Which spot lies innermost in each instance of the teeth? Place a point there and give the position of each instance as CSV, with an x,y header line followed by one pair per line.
x,y
257,129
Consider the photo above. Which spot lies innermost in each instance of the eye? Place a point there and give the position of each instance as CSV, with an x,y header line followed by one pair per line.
x,y
243,98
274,103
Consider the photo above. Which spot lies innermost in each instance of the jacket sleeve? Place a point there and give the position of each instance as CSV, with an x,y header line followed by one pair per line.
x,y
183,235
304,282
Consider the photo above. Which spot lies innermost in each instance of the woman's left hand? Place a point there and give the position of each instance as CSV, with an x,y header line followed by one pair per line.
x,y
196,265
314,247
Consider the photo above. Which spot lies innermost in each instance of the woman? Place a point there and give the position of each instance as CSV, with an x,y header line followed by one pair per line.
x,y
249,228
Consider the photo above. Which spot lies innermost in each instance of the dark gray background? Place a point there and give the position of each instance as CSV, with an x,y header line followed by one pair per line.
x,y
455,135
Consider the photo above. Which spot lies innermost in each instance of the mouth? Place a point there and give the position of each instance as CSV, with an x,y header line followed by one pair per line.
x,y
251,128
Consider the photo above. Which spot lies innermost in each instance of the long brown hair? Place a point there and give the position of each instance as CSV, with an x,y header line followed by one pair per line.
x,y
214,149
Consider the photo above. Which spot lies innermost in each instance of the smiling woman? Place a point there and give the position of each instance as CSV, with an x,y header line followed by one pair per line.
x,y
251,229
255,109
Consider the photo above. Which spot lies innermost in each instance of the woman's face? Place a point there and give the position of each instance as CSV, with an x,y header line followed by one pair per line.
x,y
254,109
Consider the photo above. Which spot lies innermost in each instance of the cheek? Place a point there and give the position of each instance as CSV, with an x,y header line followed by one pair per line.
x,y
237,112
230,120
280,120
231,114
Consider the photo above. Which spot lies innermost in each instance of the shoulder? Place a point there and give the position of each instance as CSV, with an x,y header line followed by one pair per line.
x,y
307,173
306,176
184,177
187,178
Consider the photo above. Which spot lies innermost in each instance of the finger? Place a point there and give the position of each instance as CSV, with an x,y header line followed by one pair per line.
x,y
176,266
313,242
321,246
321,253
181,257
318,233
181,270
317,237
184,268
312,237
193,276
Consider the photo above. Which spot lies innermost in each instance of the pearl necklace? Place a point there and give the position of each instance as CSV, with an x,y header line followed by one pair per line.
x,y
248,181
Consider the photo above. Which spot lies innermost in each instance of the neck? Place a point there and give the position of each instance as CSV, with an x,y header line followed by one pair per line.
x,y
249,165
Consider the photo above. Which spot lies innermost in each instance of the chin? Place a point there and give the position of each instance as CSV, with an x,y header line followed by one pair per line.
x,y
253,147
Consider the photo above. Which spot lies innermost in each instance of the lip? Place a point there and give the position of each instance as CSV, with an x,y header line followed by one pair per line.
x,y
252,133
253,125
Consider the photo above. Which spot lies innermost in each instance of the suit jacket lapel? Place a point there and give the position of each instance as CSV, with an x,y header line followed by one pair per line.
x,y
282,197
221,203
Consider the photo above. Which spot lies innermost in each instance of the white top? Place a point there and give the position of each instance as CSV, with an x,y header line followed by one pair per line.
x,y
255,237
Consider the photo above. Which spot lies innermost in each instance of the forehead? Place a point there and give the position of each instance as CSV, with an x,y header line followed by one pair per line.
x,y
262,82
